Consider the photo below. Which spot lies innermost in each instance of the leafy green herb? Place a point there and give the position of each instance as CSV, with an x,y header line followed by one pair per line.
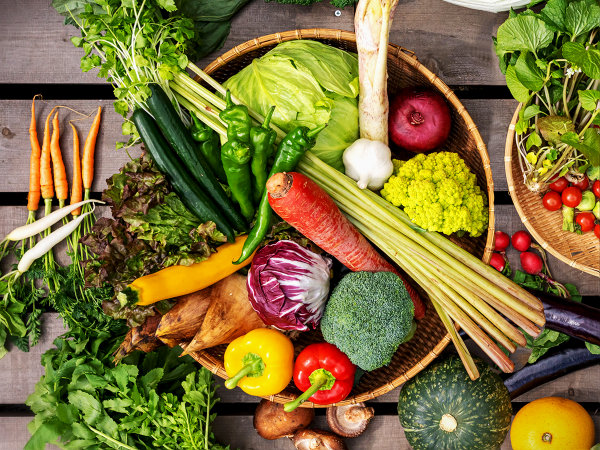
x,y
551,61
154,400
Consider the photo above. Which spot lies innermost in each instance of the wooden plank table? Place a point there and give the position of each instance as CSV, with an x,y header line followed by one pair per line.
x,y
37,57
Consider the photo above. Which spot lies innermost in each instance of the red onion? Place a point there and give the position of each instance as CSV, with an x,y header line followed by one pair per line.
x,y
419,120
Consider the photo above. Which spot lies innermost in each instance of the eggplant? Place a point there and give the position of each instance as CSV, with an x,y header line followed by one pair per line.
x,y
549,368
571,318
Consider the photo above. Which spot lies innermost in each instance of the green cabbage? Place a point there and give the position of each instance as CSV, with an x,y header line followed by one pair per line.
x,y
310,84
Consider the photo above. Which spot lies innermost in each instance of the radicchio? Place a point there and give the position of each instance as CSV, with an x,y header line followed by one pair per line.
x,y
288,285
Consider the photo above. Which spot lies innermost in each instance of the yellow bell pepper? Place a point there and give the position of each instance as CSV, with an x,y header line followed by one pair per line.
x,y
260,362
181,280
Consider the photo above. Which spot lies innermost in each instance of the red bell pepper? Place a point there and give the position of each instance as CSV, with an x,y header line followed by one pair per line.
x,y
324,374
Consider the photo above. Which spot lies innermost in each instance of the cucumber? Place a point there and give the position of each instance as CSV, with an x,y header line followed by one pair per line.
x,y
181,141
183,183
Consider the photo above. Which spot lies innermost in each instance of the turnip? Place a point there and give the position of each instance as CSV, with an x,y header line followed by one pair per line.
x,y
419,120
501,241
521,241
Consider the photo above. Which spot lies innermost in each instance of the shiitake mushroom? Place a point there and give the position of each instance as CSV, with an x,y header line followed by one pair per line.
x,y
272,422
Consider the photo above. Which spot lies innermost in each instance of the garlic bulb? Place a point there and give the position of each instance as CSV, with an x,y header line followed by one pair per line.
x,y
369,163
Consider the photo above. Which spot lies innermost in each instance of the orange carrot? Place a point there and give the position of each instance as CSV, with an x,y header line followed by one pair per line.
x,y
77,187
33,198
46,183
303,204
87,163
58,166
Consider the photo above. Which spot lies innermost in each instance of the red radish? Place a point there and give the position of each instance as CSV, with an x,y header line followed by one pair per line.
x,y
498,262
303,204
501,242
531,263
419,120
521,241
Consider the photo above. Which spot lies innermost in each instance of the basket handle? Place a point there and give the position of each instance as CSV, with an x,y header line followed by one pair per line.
x,y
399,49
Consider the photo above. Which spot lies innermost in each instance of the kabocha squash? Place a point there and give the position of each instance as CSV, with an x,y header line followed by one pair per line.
x,y
442,408
180,280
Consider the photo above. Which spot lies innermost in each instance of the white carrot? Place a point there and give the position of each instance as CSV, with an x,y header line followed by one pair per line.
x,y
44,223
46,244
372,22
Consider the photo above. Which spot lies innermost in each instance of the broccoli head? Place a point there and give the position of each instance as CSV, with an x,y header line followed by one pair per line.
x,y
367,317
439,193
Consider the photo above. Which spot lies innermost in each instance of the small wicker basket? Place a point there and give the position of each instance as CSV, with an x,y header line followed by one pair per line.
x,y
404,70
579,251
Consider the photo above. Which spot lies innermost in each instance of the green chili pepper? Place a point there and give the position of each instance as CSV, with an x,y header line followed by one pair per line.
x,y
200,131
236,162
262,139
238,121
290,151
209,145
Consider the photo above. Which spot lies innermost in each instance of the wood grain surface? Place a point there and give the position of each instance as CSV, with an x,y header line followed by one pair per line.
x,y
34,53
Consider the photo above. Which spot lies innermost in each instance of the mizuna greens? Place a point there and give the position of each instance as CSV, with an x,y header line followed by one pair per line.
x,y
551,61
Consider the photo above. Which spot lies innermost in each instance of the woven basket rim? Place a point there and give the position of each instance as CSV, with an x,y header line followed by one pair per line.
x,y
508,166
408,56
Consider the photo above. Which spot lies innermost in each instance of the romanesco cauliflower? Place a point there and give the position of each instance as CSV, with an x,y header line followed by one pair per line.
x,y
439,193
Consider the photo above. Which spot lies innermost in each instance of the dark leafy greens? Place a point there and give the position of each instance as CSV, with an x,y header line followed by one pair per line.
x,y
150,229
551,60
155,400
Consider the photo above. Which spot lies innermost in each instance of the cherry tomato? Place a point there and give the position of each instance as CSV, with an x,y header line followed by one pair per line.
x,y
582,184
586,221
559,184
552,201
596,188
571,196
597,231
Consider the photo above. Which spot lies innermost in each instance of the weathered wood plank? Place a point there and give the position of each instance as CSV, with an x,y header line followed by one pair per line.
x,y
15,148
384,433
454,42
491,116
19,371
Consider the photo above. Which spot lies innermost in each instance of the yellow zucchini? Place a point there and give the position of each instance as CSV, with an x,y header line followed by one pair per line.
x,y
180,280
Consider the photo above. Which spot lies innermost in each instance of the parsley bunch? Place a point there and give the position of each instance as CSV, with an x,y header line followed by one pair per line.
x,y
551,60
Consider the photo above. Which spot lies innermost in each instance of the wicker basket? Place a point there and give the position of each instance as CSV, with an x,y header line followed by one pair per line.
x,y
579,251
404,70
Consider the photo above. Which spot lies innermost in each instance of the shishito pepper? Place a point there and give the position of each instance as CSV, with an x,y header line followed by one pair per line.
x,y
260,362
235,157
262,139
209,145
237,119
290,151
324,374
